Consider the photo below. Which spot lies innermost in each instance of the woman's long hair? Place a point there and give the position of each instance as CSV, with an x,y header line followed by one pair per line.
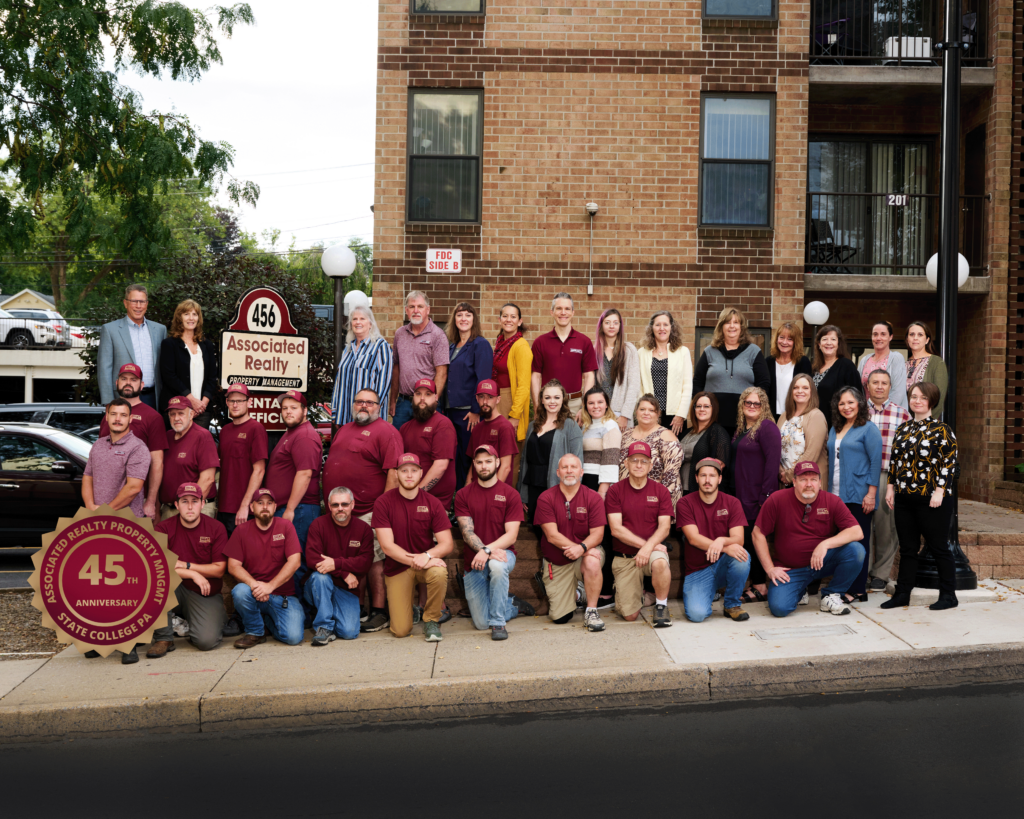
x,y
374,329
812,402
838,421
824,330
540,416
178,325
453,332
691,417
741,419
675,333
618,368
718,339
587,418
928,346
791,329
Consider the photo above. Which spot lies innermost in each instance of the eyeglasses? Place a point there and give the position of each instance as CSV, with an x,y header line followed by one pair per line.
x,y
752,405
807,511
138,303
636,461
361,403
238,400
568,513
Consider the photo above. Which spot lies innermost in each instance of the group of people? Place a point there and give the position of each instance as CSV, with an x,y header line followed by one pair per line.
x,y
770,493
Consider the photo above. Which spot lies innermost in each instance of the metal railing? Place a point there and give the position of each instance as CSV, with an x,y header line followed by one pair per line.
x,y
891,32
887,234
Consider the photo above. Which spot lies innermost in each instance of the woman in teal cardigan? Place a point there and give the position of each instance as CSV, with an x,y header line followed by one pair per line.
x,y
854,467
923,365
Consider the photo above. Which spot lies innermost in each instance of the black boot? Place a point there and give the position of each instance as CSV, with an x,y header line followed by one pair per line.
x,y
898,600
947,600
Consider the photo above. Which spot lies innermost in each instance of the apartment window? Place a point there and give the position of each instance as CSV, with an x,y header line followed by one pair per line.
x,y
737,166
448,6
742,9
444,148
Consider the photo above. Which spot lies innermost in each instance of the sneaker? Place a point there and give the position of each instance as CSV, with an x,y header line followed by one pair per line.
x,y
432,633
417,614
581,595
524,608
233,627
736,613
378,621
592,621
833,604
179,625
324,636
717,597
661,618
446,615
364,614
499,633
131,657
605,603
805,600
877,584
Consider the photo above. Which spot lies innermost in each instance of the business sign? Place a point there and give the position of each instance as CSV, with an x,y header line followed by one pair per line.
x,y
441,260
263,361
104,580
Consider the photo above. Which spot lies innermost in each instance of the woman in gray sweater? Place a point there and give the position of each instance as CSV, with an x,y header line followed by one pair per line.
x,y
550,435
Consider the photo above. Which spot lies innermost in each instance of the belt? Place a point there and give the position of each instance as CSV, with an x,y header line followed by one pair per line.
x,y
578,394
147,390
406,397
622,554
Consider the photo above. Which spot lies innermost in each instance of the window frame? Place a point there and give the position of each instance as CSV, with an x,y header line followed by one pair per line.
x,y
770,162
481,13
413,91
773,16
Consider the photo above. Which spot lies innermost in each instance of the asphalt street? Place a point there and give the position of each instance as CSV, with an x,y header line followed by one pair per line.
x,y
15,568
934,753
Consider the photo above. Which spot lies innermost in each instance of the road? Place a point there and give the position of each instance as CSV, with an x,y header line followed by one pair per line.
x,y
15,568
933,753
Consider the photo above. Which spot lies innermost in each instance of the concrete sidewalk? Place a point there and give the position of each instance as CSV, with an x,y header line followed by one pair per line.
x,y
542,667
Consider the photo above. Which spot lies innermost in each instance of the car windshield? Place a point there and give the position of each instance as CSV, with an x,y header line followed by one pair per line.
x,y
71,442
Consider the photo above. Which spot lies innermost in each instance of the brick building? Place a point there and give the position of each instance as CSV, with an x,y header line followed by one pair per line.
x,y
756,153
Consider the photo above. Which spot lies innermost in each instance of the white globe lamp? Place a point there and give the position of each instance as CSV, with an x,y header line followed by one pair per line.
x,y
338,261
816,313
355,298
963,270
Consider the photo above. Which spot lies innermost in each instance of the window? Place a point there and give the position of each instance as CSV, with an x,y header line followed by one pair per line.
x,y
19,454
737,150
444,148
448,6
743,9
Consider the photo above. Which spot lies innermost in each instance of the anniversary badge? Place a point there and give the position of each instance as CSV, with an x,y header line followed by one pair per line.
x,y
104,580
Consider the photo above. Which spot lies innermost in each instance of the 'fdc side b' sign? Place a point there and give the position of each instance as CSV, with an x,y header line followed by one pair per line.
x,y
444,260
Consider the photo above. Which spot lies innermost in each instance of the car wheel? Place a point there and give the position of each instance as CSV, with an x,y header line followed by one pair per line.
x,y
19,338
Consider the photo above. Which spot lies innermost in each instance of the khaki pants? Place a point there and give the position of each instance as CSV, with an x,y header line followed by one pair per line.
x,y
575,405
169,510
401,588
560,584
378,553
629,581
504,405
884,542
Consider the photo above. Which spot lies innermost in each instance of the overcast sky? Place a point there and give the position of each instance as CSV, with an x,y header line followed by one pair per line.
x,y
295,97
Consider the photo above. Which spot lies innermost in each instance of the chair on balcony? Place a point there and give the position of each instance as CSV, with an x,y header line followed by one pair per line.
x,y
830,41
823,252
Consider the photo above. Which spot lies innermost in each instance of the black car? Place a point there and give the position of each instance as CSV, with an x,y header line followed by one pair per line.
x,y
72,416
40,480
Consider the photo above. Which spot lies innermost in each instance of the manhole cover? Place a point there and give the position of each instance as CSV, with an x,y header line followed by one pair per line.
x,y
811,631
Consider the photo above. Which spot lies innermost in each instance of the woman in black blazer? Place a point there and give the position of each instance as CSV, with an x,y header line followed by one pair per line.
x,y
832,369
187,363
784,364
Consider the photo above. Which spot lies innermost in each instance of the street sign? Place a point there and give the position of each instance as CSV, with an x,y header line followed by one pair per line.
x,y
444,260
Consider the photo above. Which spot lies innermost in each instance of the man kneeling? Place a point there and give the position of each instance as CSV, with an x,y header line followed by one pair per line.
x,y
815,536
640,516
712,523
263,554
339,551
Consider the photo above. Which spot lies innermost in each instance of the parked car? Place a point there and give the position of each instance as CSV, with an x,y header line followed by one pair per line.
x,y
70,416
51,317
21,332
40,480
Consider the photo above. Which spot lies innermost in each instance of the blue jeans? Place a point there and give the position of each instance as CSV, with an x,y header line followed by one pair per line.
x,y
305,514
844,564
285,622
336,610
463,465
487,593
403,411
699,588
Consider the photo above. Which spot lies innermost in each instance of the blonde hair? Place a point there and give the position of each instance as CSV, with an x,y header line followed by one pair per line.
x,y
585,416
718,339
792,329
741,419
812,402
178,324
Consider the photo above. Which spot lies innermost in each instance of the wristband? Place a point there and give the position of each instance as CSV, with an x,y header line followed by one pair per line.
x,y
585,548
188,566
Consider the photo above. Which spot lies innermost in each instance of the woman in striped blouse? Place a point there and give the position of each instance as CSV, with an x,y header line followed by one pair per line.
x,y
365,364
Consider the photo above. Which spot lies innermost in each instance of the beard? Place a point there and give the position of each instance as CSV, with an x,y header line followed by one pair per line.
x,y
128,391
486,476
486,414
569,481
264,518
294,424
362,418
423,413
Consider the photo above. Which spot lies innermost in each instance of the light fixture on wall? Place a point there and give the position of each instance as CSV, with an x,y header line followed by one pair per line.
x,y
592,211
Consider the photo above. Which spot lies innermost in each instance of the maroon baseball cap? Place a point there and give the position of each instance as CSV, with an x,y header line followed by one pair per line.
x,y
295,395
178,402
240,388
425,382
409,458
263,490
639,448
803,467
190,490
487,387
717,464
490,450
132,369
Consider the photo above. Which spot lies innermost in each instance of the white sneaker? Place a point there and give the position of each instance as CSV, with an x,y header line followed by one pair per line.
x,y
581,595
804,600
834,604
180,626
592,621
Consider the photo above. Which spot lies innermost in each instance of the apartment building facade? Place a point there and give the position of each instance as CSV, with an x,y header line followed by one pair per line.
x,y
755,153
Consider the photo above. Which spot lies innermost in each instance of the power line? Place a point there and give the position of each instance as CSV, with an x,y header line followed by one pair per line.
x,y
308,170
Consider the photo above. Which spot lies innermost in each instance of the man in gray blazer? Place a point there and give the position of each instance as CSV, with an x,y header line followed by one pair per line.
x,y
131,340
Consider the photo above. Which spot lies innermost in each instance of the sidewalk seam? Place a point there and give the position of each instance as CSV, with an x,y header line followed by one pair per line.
x,y
202,697
886,629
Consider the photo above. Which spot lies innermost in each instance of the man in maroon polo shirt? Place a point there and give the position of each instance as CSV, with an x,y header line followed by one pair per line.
x,y
563,354
293,474
191,458
407,520
489,512
148,426
639,514
198,542
364,456
118,464
572,519
339,551
431,436
493,430
263,554
243,460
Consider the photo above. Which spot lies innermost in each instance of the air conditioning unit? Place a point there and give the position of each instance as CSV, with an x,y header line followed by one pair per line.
x,y
912,48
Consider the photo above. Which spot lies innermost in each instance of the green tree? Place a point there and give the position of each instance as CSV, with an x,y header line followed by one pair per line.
x,y
77,141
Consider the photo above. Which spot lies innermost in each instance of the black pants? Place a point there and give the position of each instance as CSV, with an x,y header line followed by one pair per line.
x,y
608,579
757,575
914,518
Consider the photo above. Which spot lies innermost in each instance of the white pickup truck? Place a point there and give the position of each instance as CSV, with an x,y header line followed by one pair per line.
x,y
19,332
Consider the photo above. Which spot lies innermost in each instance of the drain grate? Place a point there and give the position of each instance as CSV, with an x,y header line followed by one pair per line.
x,y
800,633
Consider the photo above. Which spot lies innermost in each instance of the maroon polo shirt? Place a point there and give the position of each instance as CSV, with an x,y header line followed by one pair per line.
x,y
185,459
489,509
497,432
299,448
713,520
351,546
413,523
584,512
241,446
566,361
203,544
797,534
264,553
360,458
146,424
433,440
640,509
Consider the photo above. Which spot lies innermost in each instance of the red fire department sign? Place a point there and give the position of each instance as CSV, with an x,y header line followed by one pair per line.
x,y
104,580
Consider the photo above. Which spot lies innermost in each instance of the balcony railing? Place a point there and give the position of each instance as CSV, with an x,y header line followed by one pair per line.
x,y
891,32
887,234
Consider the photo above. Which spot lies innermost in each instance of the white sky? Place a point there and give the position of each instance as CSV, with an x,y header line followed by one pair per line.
x,y
295,98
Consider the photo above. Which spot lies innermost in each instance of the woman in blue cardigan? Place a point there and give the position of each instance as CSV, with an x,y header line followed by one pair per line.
x,y
854,466
470,361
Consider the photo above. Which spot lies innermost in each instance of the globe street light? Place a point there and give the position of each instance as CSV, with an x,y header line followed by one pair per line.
x,y
338,262
815,314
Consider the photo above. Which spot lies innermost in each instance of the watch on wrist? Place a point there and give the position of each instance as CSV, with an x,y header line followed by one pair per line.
x,y
584,547
188,566
486,550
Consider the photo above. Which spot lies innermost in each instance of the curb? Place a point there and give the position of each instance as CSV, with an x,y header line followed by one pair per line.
x,y
497,695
